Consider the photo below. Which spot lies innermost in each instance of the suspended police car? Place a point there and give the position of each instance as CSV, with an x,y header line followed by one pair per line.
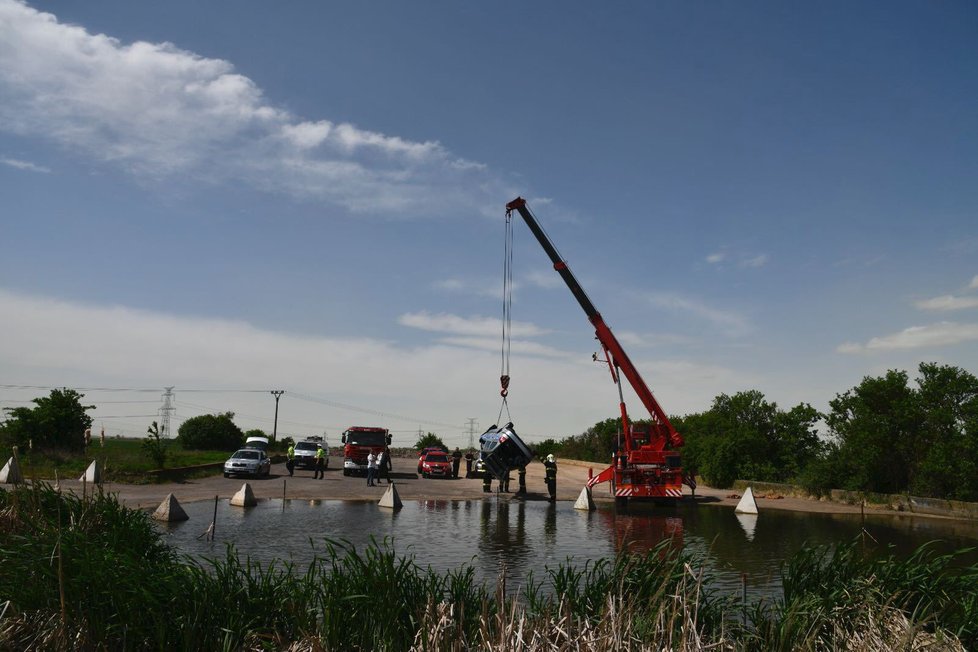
x,y
502,450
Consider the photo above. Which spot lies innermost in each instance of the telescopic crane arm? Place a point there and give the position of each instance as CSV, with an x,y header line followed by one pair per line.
x,y
613,349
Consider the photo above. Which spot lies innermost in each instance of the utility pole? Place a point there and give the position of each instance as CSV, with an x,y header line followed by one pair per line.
x,y
165,412
277,393
471,432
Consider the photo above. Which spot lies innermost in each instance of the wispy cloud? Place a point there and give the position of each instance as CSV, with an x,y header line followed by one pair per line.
x,y
630,338
754,261
974,283
24,165
730,322
477,326
158,110
740,259
475,287
63,343
519,347
948,302
928,336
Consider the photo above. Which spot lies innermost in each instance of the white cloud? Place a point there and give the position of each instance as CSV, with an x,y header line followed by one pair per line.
x,y
974,283
756,261
24,165
948,302
715,258
932,335
478,326
733,323
158,110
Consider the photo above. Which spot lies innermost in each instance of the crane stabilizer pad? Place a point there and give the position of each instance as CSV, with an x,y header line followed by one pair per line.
x,y
503,450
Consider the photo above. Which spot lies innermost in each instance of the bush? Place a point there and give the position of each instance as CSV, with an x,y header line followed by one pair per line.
x,y
210,432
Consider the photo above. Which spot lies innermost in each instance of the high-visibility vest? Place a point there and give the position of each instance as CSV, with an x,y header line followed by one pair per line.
x,y
291,452
320,453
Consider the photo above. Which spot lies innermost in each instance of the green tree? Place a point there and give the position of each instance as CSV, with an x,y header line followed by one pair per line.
x,y
878,426
210,432
946,454
155,446
429,440
58,421
745,436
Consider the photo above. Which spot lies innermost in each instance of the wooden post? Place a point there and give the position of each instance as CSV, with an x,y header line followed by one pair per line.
x,y
283,493
214,522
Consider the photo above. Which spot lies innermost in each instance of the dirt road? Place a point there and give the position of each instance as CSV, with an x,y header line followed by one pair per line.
x,y
410,486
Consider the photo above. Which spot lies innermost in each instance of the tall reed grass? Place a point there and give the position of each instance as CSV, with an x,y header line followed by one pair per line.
x,y
91,574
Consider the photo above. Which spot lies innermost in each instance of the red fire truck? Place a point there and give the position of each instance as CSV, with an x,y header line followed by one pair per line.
x,y
360,441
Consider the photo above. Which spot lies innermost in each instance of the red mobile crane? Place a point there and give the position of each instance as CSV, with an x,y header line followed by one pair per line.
x,y
647,464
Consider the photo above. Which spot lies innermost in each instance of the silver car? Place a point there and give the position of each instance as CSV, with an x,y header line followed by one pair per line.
x,y
248,461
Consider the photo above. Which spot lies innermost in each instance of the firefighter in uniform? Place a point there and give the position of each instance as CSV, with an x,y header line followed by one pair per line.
x,y
522,476
487,481
456,461
469,459
551,467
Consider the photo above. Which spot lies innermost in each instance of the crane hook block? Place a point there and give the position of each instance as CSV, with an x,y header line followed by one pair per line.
x,y
504,382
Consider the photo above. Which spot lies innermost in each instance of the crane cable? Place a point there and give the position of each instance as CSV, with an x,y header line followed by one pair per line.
x,y
507,318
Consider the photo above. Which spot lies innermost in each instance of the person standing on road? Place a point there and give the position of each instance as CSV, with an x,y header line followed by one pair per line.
x,y
290,459
456,461
504,482
371,468
320,463
551,467
522,488
487,481
382,462
469,459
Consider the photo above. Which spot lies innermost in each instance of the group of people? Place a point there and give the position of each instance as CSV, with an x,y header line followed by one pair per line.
x,y
378,467
319,461
379,464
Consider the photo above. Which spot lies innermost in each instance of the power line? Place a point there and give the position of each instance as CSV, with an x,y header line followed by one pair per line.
x,y
353,408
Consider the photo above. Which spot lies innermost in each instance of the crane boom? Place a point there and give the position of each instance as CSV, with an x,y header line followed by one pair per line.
x,y
645,447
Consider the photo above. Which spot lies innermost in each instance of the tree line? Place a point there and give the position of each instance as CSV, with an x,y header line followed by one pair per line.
x,y
886,435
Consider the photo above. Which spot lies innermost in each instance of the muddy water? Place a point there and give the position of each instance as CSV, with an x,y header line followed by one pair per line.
x,y
532,536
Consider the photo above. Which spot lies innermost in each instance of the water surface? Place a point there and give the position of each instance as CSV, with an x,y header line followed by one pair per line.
x,y
534,535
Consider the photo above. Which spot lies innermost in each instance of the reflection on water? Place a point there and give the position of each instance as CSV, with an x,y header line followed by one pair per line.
x,y
495,533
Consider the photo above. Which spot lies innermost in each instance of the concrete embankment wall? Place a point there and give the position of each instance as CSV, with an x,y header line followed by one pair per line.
x,y
896,502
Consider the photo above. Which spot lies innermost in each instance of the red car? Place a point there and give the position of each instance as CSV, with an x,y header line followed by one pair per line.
x,y
425,451
436,465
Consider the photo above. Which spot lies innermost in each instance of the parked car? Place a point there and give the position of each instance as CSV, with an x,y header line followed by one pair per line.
x,y
261,443
425,451
436,465
305,452
248,461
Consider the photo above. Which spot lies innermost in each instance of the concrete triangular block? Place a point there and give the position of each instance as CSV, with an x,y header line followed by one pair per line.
x,y
747,504
245,497
170,511
585,502
10,473
390,498
92,474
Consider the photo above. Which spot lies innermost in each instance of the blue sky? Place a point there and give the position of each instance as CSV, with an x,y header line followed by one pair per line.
x,y
309,196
